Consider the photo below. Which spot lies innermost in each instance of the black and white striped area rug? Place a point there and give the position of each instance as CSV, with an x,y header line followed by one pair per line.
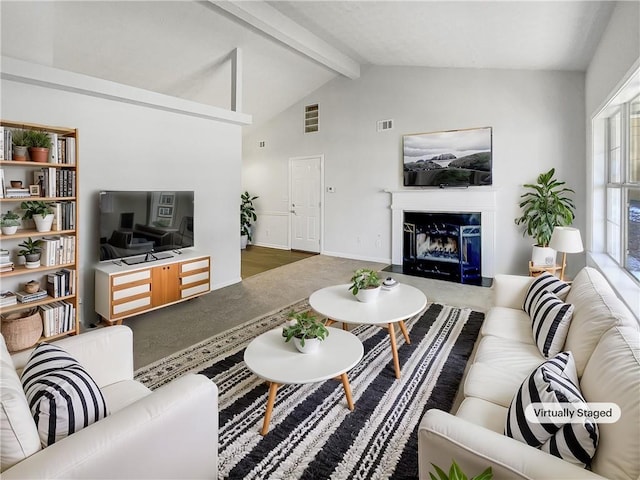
x,y
312,433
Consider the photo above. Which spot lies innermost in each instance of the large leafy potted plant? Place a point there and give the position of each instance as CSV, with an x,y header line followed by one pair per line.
x,y
306,331
365,285
247,217
41,213
545,206
38,143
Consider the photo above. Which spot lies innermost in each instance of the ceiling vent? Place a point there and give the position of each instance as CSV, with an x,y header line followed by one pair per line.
x,y
383,125
311,118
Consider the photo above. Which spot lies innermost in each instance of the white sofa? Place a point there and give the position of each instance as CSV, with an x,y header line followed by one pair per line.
x,y
171,432
604,338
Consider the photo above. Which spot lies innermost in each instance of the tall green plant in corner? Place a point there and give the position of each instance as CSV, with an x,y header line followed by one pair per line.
x,y
544,207
247,215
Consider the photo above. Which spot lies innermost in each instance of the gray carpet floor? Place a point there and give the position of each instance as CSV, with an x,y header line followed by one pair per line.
x,y
168,330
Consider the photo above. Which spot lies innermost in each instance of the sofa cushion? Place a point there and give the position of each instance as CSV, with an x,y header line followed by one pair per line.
x,y
613,375
122,394
18,433
545,282
552,384
508,323
492,383
550,321
62,396
596,310
520,358
483,413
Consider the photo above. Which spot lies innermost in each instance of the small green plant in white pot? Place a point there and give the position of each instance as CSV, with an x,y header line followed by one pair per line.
x,y
19,140
41,213
31,251
365,285
307,332
9,223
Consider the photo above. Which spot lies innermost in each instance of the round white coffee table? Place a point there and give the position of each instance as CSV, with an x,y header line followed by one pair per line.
x,y
393,306
279,362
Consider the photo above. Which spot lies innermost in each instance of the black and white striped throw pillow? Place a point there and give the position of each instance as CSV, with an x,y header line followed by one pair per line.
x,y
62,396
554,384
551,318
545,282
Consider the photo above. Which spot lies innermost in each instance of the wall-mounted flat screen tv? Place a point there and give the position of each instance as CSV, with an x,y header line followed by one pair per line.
x,y
454,158
134,223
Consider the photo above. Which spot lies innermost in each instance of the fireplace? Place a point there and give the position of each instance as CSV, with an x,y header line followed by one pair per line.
x,y
443,245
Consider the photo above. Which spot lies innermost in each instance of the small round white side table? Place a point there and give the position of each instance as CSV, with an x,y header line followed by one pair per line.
x,y
279,362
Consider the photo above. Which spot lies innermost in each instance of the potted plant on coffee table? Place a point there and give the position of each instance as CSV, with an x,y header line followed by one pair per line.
x,y
544,207
306,331
38,143
9,223
247,217
31,251
41,213
365,285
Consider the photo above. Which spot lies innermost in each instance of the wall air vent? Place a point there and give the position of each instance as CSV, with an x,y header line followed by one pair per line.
x,y
311,118
383,125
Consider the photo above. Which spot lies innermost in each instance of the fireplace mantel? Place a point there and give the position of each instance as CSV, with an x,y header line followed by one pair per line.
x,y
467,200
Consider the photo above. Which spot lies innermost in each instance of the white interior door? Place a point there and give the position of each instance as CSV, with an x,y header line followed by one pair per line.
x,y
306,207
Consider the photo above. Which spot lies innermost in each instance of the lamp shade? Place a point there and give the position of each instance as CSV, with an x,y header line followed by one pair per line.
x,y
566,239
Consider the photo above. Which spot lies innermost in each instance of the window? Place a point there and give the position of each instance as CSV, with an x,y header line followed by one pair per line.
x,y
623,187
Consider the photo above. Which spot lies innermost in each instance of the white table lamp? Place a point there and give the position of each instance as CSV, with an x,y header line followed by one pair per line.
x,y
566,240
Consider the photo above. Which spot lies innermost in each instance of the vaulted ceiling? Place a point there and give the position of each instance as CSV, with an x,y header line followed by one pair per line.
x,y
291,48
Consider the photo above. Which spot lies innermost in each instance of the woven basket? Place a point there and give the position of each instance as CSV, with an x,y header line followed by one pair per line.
x,y
21,329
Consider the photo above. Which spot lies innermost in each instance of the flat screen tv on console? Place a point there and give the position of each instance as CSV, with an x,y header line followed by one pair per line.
x,y
455,158
139,226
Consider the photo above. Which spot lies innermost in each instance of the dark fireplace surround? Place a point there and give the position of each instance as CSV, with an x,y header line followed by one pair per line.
x,y
443,245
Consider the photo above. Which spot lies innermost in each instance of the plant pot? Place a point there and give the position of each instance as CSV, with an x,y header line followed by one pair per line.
x,y
16,183
32,264
244,239
38,154
43,224
543,256
311,345
9,230
19,153
367,295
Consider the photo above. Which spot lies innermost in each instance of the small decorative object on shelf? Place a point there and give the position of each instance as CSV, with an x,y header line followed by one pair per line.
x,y
365,285
307,332
32,286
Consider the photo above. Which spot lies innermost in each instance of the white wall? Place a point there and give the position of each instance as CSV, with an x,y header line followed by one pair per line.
x,y
124,146
537,120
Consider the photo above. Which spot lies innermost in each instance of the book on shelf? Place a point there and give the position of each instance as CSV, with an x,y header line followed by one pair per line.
x,y
53,151
57,317
8,298
1,183
24,297
11,192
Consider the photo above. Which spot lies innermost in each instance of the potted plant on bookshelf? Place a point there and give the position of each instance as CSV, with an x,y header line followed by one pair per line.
x,y
38,143
19,140
306,331
9,223
365,285
31,251
41,213
544,207
247,217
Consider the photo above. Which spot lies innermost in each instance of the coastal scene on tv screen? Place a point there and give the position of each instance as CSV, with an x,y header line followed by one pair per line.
x,y
450,158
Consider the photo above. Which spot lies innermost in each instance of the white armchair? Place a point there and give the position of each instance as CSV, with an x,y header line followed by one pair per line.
x,y
171,432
